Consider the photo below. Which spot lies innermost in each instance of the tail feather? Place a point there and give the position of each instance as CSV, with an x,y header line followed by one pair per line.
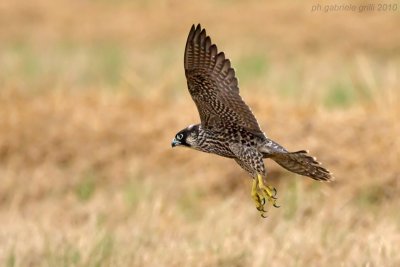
x,y
301,163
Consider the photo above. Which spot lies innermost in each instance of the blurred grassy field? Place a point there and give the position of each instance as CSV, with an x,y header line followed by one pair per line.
x,y
92,92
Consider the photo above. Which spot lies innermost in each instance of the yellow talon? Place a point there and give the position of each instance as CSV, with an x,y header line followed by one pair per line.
x,y
258,199
260,193
268,192
256,196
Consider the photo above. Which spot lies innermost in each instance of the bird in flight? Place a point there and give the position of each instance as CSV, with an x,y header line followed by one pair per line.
x,y
228,128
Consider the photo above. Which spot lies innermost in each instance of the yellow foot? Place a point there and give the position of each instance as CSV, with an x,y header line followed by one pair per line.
x,y
262,193
268,192
258,199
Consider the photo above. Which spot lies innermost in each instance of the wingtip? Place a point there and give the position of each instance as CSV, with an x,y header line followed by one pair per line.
x,y
197,27
203,35
221,56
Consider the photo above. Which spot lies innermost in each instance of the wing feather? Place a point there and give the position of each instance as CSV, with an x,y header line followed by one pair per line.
x,y
213,85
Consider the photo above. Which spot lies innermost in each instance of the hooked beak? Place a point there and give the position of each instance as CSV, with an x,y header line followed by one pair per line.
x,y
175,143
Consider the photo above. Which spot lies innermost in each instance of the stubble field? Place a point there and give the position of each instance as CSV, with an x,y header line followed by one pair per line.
x,y
92,93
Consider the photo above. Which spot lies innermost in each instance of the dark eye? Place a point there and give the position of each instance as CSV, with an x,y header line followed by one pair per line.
x,y
179,136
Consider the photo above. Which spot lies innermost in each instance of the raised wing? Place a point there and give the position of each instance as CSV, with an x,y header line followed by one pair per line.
x,y
213,86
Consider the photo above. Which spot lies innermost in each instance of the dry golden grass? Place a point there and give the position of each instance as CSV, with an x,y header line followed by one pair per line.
x,y
91,94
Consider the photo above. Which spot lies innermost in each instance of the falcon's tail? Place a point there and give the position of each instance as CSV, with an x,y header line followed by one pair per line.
x,y
301,163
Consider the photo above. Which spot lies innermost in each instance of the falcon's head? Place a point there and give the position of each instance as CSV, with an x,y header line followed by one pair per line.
x,y
187,137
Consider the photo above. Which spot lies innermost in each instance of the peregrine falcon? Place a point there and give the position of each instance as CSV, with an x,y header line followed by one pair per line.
x,y
228,127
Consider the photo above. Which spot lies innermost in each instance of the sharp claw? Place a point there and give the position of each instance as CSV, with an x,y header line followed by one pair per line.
x,y
263,210
263,194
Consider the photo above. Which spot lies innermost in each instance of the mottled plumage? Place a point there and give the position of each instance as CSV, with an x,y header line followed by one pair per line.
x,y
228,127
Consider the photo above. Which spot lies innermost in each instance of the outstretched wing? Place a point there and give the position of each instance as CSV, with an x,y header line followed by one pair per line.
x,y
213,86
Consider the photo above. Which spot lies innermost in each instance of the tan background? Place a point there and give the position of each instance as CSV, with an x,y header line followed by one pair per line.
x,y
92,92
